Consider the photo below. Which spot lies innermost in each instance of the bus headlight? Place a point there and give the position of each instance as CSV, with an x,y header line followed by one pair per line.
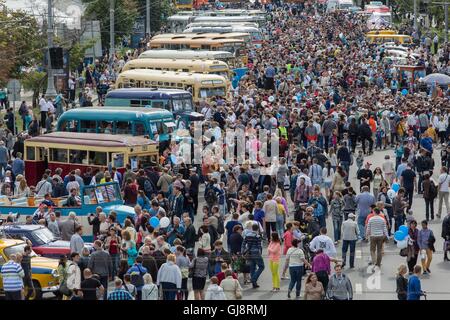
x,y
55,273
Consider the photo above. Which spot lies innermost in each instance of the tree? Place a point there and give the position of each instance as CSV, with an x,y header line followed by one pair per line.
x,y
160,10
21,43
35,81
124,17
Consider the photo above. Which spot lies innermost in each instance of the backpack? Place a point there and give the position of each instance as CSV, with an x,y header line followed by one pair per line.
x,y
319,210
220,226
137,279
433,190
148,188
211,196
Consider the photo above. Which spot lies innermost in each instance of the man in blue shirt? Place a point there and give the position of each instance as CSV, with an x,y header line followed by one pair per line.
x,y
401,168
18,165
136,273
414,286
364,201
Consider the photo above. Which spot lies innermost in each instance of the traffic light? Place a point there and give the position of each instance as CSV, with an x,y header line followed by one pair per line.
x,y
56,57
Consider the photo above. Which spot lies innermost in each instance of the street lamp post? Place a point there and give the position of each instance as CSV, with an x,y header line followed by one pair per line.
x,y
148,29
50,92
111,31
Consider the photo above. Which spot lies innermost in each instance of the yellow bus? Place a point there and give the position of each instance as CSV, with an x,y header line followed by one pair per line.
x,y
184,65
376,32
383,38
202,86
183,4
234,46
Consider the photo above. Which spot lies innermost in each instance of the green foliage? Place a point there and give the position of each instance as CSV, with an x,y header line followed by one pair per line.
x,y
159,11
21,43
77,52
124,17
34,81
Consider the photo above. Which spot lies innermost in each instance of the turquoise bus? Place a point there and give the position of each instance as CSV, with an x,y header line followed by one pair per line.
x,y
179,102
157,124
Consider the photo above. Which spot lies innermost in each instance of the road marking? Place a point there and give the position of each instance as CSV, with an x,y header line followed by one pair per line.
x,y
358,254
358,288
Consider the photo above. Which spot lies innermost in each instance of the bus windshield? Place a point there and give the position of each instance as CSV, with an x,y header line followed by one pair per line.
x,y
212,92
182,104
101,194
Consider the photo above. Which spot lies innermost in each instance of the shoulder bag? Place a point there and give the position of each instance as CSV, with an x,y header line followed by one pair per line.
x,y
237,290
191,270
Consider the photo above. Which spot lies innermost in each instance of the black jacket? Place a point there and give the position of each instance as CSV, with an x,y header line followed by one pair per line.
x,y
364,131
446,228
150,263
190,237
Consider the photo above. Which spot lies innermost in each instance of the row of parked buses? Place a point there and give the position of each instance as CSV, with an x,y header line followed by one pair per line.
x,y
153,96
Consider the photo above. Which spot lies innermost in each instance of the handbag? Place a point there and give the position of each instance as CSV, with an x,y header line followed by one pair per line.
x,y
191,270
404,252
64,289
237,290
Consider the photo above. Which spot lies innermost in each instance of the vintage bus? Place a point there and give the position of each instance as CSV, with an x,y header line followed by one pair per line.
x,y
383,38
184,65
154,123
224,56
77,150
205,35
183,43
258,19
202,86
255,33
177,101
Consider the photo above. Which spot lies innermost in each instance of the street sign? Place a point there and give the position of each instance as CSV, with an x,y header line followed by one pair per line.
x,y
14,86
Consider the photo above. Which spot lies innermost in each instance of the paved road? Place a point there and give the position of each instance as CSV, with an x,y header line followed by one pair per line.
x,y
380,285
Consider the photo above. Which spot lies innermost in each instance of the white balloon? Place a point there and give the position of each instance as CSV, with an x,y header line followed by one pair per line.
x,y
391,194
402,244
164,222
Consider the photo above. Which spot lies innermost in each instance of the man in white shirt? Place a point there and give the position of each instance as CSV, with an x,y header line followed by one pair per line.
x,y
444,181
323,242
377,233
304,175
388,169
43,107
270,209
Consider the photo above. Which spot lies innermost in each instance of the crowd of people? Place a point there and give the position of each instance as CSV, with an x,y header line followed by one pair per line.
x,y
335,101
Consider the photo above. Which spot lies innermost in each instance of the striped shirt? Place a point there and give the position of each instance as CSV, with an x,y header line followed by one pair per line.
x,y
12,274
376,227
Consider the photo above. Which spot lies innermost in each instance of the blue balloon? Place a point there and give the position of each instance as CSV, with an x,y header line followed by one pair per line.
x,y
404,92
399,235
403,229
154,222
395,187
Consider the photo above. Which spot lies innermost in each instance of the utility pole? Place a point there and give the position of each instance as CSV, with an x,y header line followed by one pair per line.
x,y
148,29
416,28
50,92
111,31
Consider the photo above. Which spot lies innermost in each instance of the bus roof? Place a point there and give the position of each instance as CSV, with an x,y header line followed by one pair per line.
x,y
186,54
229,18
105,113
170,75
174,63
147,93
222,24
90,139
201,41
201,35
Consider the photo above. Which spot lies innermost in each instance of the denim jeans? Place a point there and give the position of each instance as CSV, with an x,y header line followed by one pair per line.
x,y
322,221
296,274
362,227
346,166
115,259
256,272
280,225
345,245
337,224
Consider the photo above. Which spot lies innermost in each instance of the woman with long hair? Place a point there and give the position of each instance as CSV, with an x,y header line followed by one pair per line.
x,y
339,180
377,179
402,282
327,177
274,253
313,288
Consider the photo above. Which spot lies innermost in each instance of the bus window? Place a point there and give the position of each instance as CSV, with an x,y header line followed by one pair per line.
x,y
97,158
58,155
106,127
135,103
139,128
212,92
41,154
177,105
88,126
123,127
145,103
78,156
158,104
118,160
31,154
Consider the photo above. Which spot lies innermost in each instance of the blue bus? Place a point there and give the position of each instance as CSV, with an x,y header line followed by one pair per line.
x,y
179,102
157,124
